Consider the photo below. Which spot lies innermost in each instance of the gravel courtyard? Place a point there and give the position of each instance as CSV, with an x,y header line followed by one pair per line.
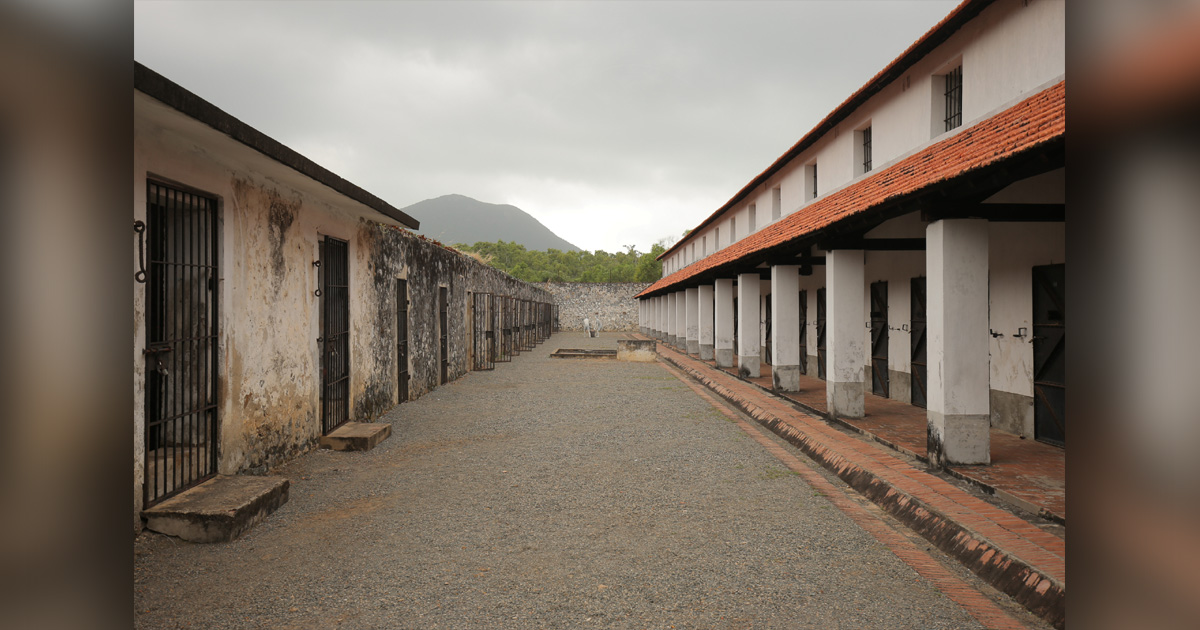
x,y
549,493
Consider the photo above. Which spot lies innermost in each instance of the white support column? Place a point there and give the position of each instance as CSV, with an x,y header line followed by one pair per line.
x,y
681,320
956,260
670,319
723,322
749,352
785,327
845,341
692,306
705,298
660,321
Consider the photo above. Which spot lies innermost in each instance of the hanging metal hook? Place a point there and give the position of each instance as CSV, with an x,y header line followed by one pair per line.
x,y
140,228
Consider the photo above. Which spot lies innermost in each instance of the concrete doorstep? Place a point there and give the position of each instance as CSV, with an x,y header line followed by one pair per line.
x,y
218,510
357,436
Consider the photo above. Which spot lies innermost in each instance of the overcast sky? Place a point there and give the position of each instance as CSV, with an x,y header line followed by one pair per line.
x,y
612,123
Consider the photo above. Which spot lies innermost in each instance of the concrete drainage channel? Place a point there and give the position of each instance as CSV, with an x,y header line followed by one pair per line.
x,y
638,350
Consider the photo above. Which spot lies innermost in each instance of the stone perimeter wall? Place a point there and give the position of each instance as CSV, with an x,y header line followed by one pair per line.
x,y
610,302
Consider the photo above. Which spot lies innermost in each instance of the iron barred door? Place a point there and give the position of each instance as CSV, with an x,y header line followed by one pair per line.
x,y
1049,354
767,330
821,333
335,333
879,339
482,337
804,331
917,343
181,341
402,340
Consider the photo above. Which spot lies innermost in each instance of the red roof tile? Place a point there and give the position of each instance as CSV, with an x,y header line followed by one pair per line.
x,y
1034,122
941,31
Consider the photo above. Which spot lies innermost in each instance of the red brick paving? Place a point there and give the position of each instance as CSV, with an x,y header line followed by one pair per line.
x,y
870,518
1013,554
1029,474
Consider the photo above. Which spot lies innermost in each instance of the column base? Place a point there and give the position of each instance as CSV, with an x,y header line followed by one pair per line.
x,y
749,366
671,340
706,351
723,357
785,378
845,400
693,346
958,439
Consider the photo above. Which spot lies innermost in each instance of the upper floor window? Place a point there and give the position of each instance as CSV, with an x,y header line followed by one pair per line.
x,y
704,245
954,98
866,150
753,219
776,203
810,172
716,239
732,230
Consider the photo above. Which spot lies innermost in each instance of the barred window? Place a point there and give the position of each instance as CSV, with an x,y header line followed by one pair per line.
x,y
954,98
866,149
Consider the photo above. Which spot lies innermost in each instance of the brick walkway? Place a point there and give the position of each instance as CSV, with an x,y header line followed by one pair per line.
x,y
1013,554
1025,473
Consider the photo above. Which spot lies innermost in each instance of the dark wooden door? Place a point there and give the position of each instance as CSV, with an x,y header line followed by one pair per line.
x,y
1049,354
919,356
181,353
444,334
402,339
804,331
879,339
767,330
821,333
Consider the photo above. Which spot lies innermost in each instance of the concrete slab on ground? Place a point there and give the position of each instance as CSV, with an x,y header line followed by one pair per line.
x,y
218,510
356,436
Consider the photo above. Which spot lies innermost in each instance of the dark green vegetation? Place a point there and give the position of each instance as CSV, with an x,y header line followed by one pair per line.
x,y
577,266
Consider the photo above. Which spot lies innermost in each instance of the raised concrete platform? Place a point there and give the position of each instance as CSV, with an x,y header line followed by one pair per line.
x,y
636,350
218,510
356,436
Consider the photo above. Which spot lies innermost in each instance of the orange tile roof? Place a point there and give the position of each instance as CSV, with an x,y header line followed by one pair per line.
x,y
1034,122
932,38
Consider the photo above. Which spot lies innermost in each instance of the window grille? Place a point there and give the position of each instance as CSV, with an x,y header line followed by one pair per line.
x,y
814,180
866,148
954,98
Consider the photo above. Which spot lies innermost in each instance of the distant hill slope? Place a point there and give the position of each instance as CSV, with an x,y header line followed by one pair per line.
x,y
458,219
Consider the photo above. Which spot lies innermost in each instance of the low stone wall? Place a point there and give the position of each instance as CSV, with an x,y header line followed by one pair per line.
x,y
611,303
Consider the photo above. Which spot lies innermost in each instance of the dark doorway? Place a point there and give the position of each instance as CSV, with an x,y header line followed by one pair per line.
x,y
767,331
181,341
444,335
402,339
917,344
335,333
804,331
879,338
1049,354
483,338
821,333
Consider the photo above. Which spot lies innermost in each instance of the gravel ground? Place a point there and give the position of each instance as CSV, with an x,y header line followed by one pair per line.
x,y
550,493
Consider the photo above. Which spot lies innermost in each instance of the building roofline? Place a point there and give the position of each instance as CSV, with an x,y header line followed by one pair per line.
x,y
1036,123
180,99
924,45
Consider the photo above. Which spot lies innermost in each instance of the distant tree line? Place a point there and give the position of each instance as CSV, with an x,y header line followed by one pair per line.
x,y
558,266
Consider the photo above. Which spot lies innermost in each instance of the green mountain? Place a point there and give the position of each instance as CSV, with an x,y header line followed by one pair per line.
x,y
458,219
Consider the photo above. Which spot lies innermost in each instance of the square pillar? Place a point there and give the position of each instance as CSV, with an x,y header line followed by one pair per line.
x,y
785,327
660,308
704,297
845,335
670,329
723,322
681,320
958,412
749,352
692,315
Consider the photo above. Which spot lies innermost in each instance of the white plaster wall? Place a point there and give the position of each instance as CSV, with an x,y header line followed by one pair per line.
x,y
1009,51
1014,249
